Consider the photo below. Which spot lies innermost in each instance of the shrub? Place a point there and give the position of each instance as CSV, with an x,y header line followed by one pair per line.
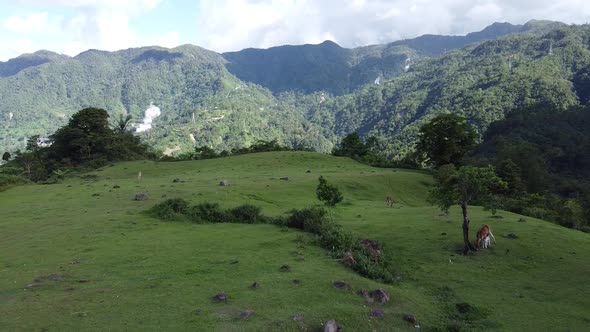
x,y
328,193
207,212
9,180
170,209
309,220
246,213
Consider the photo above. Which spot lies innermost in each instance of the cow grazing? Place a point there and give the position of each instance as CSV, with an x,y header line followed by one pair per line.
x,y
482,239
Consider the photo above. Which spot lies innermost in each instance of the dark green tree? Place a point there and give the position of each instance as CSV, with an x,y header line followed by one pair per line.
x,y
6,156
445,140
351,146
328,193
122,124
87,136
465,186
204,152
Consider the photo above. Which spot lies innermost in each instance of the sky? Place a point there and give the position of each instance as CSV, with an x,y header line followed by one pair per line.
x,y
73,26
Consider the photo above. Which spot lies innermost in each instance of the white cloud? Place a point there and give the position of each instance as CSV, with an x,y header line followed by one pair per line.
x,y
36,22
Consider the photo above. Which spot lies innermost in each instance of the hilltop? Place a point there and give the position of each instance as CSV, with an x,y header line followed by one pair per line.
x,y
88,257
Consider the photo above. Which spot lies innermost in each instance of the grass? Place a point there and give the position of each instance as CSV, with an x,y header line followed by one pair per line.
x,y
141,273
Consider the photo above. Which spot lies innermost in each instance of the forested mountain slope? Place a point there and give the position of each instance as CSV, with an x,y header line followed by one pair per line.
x,y
202,103
337,70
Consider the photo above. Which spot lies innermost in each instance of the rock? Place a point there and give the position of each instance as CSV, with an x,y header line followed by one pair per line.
x,y
348,259
255,285
380,296
246,314
75,261
308,171
365,294
94,195
377,313
512,236
141,196
83,281
332,326
220,297
284,178
341,285
521,220
224,183
116,186
373,248
176,180
285,268
233,262
296,282
410,319
298,317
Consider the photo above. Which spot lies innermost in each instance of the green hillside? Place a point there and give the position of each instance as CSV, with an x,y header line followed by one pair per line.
x,y
202,103
83,255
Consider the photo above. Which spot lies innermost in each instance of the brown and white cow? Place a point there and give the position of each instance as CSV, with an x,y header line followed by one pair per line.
x,y
482,239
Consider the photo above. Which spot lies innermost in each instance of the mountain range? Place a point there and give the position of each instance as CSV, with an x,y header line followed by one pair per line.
x,y
308,95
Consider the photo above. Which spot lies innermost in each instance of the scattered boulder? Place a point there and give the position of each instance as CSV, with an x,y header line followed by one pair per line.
x,y
372,248
83,281
233,262
284,178
377,313
512,236
75,261
298,317
341,285
285,268
296,282
176,180
224,183
380,296
141,196
521,220
410,319
332,326
220,297
365,294
116,186
255,285
246,314
348,259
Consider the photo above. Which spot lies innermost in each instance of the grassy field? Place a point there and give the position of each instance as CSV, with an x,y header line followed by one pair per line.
x,y
82,255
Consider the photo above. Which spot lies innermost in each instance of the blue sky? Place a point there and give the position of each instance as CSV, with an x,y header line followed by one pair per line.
x,y
73,26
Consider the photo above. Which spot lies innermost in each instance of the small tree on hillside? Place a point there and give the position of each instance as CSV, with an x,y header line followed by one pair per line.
x,y
328,193
6,156
445,140
465,186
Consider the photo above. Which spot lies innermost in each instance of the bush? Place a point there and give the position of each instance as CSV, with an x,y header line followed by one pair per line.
x,y
248,214
171,209
9,180
207,212
309,220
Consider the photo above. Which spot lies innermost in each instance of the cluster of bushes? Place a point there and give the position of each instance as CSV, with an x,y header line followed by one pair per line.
x,y
329,235
205,152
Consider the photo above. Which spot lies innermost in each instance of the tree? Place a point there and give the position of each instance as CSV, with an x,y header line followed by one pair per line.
x,y
6,156
465,186
351,146
328,193
445,140
122,124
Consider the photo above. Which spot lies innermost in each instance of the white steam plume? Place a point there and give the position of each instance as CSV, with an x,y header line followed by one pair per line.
x,y
150,114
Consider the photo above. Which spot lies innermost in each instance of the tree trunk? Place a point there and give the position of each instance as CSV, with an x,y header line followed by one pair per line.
x,y
467,245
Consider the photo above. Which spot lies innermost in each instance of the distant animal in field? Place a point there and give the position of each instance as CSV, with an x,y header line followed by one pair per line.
x,y
482,239
389,201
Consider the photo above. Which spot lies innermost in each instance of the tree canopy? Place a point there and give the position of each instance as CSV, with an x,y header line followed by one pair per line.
x,y
445,140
